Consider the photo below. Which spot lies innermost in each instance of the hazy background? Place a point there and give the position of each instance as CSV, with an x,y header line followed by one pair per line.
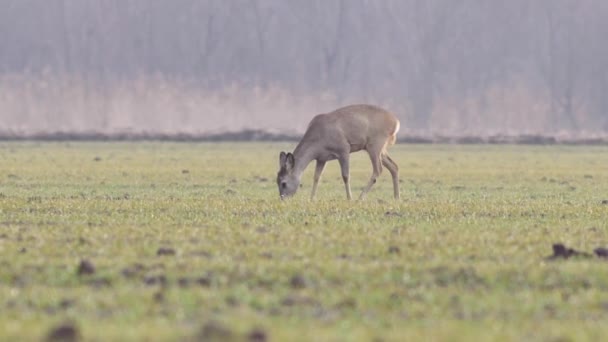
x,y
460,67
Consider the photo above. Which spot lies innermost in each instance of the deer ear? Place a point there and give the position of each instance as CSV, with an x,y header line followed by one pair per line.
x,y
282,159
291,162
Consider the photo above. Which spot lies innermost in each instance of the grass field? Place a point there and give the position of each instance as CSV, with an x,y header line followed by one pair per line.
x,y
191,242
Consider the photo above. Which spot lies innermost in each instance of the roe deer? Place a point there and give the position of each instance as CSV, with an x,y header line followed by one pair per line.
x,y
334,136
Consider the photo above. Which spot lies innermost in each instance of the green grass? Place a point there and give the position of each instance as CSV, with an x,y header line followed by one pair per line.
x,y
471,232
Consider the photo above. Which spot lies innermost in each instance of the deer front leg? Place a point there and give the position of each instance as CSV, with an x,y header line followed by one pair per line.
x,y
318,172
344,167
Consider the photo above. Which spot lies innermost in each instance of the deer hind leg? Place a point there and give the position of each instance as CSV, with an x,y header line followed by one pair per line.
x,y
394,170
318,172
345,168
374,152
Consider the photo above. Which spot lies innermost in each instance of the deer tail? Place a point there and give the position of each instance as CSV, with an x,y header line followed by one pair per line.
x,y
393,138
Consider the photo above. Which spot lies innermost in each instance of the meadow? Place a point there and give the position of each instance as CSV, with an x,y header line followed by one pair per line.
x,y
189,241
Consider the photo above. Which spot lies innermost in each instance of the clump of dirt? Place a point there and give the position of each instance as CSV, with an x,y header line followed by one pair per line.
x,y
100,282
204,281
215,331
601,252
183,282
298,282
186,282
185,172
346,304
165,251
155,280
133,270
66,303
66,332
257,335
202,254
262,229
232,301
20,280
297,300
562,252
266,255
159,297
394,250
85,268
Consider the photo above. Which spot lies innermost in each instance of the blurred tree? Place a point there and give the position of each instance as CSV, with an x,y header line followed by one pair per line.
x,y
436,60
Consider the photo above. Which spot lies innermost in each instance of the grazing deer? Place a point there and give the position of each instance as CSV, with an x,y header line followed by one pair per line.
x,y
334,136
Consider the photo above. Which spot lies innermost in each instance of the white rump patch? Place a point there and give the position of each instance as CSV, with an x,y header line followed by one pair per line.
x,y
397,128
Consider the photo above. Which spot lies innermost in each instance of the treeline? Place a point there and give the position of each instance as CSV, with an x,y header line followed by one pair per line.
x,y
448,66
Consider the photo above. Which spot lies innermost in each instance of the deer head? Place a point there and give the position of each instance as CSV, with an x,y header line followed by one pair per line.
x,y
287,181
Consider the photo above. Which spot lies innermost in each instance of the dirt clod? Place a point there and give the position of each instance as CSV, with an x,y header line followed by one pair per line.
x,y
562,252
394,250
601,252
346,304
298,282
232,301
202,254
262,229
204,281
215,331
156,280
266,255
298,300
133,270
85,267
66,332
66,303
605,202
257,335
165,251
159,297
100,282
183,282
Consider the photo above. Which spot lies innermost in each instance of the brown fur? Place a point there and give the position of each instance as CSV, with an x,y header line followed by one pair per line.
x,y
337,134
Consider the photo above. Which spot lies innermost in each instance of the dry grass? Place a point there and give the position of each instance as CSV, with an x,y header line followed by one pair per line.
x,y
49,103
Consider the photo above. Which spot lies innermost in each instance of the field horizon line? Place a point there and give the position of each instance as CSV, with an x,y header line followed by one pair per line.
x,y
258,135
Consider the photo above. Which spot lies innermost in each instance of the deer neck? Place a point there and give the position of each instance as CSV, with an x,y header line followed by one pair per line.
x,y
304,153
